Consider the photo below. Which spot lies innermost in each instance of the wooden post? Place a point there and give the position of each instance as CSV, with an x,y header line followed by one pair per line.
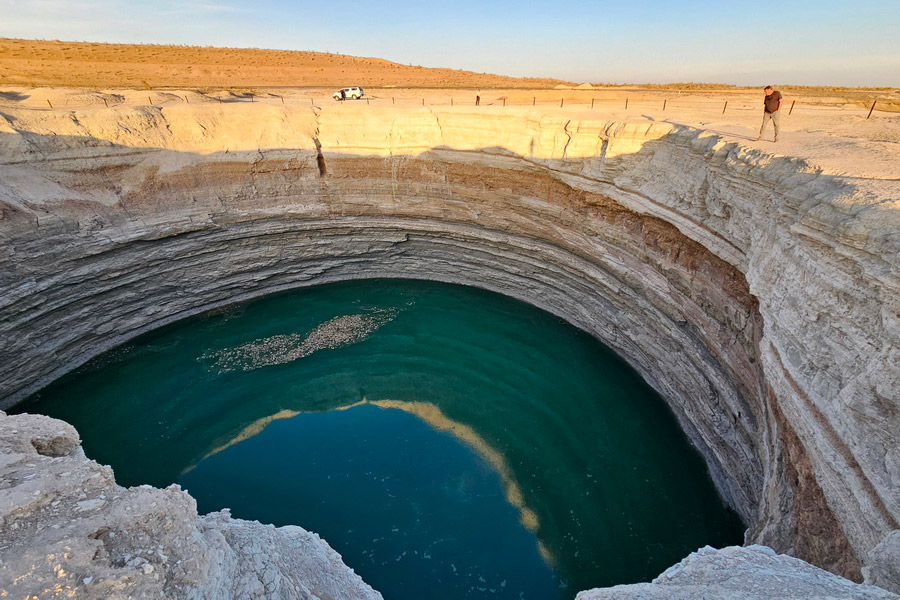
x,y
626,103
592,104
724,107
311,103
423,101
367,101
793,102
451,100
504,101
186,101
532,100
392,99
561,102
251,98
664,103
870,110
149,100
48,102
106,103
282,99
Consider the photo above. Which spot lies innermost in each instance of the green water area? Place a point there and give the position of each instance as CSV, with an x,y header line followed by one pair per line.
x,y
448,442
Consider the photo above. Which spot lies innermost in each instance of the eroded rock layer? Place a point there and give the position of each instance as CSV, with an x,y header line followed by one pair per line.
x,y
758,296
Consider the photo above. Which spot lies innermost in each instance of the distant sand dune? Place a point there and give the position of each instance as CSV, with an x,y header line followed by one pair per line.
x,y
36,63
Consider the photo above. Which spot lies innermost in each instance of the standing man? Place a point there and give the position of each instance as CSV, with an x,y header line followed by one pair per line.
x,y
772,104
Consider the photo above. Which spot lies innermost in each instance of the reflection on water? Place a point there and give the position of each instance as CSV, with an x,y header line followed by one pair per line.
x,y
390,491
432,415
513,437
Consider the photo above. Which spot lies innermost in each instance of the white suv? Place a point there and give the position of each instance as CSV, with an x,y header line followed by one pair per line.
x,y
354,93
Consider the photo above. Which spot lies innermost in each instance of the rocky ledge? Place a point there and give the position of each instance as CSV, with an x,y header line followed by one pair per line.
x,y
757,294
68,531
734,573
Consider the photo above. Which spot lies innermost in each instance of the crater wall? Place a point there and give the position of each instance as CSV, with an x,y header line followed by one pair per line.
x,y
756,294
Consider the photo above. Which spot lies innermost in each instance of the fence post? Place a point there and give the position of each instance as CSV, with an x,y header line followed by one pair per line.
x,y
626,103
532,100
724,107
561,102
48,102
150,100
592,104
451,100
664,103
282,99
504,100
186,101
423,101
392,99
793,102
106,103
367,101
870,110
251,98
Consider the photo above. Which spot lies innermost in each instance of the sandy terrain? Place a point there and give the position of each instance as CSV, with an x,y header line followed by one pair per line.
x,y
35,63
52,63
838,140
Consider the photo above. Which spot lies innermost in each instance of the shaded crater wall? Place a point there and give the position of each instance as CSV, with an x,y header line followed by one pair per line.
x,y
644,235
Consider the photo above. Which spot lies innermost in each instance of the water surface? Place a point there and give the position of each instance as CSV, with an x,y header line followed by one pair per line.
x,y
447,441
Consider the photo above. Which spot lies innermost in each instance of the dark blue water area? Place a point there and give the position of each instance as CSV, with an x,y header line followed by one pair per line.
x,y
447,441
406,504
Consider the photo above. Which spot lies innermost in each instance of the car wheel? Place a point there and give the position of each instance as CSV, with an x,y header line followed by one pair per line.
x,y
355,97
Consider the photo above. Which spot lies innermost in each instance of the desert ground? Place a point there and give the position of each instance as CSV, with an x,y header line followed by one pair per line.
x,y
67,64
836,140
829,127
41,63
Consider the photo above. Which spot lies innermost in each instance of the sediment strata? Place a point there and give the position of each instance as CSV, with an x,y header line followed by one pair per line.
x,y
757,295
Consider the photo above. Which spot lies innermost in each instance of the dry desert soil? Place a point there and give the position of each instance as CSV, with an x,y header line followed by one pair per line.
x,y
829,127
46,63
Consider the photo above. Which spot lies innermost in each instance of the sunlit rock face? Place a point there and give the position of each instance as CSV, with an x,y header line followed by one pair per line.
x,y
757,295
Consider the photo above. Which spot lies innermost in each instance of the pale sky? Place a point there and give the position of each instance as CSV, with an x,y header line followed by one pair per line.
x,y
824,42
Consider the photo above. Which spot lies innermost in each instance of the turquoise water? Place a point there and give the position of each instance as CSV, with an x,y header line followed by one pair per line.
x,y
447,441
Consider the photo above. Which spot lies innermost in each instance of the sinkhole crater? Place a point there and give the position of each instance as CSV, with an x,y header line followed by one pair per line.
x,y
444,439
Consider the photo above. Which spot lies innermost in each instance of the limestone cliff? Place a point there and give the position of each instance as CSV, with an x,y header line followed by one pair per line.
x,y
757,294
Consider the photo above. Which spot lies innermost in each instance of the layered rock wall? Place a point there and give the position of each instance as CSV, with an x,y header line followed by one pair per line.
x,y
757,295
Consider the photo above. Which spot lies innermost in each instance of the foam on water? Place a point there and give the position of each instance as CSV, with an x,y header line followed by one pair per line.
x,y
280,349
